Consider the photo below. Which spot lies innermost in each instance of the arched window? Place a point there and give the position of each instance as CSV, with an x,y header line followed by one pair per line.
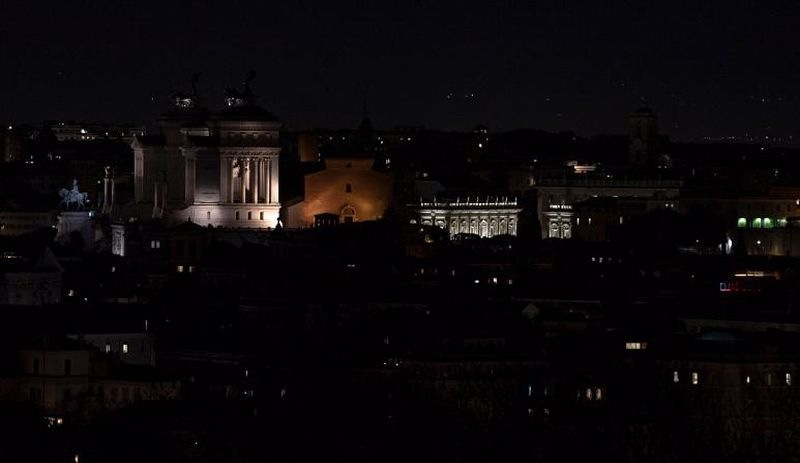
x,y
756,223
741,223
484,229
348,214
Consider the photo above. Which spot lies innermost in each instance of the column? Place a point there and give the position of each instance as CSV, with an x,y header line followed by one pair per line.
x,y
268,180
256,179
273,179
243,178
231,180
264,180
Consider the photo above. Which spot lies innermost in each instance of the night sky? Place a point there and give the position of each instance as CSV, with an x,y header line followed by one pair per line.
x,y
710,68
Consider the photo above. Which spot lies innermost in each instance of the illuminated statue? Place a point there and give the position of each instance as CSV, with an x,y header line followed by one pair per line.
x,y
184,101
73,196
234,97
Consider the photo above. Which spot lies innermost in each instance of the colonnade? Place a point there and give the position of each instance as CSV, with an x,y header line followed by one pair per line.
x,y
249,179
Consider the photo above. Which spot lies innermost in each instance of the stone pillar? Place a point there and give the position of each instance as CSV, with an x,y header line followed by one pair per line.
x,y
243,173
265,180
273,179
256,179
232,180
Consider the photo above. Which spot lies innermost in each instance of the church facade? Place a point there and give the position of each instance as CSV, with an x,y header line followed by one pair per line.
x,y
212,168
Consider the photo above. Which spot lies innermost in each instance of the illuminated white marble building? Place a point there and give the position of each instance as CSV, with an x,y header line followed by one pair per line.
x,y
213,168
486,217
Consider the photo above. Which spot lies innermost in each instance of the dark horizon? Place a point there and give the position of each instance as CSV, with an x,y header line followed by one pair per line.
x,y
717,69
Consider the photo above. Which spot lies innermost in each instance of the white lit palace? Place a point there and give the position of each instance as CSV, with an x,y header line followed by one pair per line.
x,y
213,168
486,217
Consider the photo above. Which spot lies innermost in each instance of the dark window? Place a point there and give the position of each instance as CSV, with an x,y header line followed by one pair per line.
x,y
67,367
67,395
35,366
348,188
237,215
180,247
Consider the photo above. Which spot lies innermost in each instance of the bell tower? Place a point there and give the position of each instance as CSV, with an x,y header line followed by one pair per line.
x,y
643,136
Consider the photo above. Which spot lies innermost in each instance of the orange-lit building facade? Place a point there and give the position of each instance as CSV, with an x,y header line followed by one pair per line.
x,y
347,189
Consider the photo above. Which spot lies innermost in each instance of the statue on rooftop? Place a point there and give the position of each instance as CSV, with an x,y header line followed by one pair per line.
x,y
233,97
184,101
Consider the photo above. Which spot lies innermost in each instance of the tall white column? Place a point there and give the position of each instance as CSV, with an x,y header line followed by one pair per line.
x,y
264,180
273,179
231,180
243,173
267,180
256,179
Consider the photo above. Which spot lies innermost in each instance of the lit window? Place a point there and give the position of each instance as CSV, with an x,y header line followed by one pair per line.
x,y
767,222
769,379
621,219
108,347
676,378
695,378
124,348
179,269
788,379
635,345
155,244
598,394
756,223
191,269
589,393
741,223
590,220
